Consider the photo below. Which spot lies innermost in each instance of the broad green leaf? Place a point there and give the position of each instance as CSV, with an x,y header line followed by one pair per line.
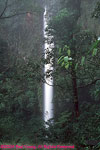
x,y
94,51
69,52
60,59
67,66
62,64
65,47
66,59
70,63
95,44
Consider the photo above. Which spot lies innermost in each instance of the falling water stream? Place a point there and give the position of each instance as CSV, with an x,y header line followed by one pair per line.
x,y
48,89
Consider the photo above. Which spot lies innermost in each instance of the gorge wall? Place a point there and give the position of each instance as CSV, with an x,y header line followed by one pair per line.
x,y
86,9
24,31
86,20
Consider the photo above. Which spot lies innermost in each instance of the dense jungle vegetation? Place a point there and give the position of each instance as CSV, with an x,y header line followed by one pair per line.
x,y
76,74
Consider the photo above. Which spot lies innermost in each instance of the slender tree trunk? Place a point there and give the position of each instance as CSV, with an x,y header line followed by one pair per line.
x,y
75,91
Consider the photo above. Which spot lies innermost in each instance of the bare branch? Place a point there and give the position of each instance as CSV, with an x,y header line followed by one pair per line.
x,y
16,14
54,85
12,15
91,83
6,4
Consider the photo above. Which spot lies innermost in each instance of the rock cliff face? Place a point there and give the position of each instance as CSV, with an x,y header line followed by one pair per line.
x,y
86,9
53,7
86,20
23,32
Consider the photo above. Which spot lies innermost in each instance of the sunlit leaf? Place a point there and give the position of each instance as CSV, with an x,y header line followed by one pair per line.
x,y
65,47
95,44
60,59
94,51
62,64
69,52
66,59
70,58
67,66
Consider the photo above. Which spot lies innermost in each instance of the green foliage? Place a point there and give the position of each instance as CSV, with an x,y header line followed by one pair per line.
x,y
82,60
62,15
20,77
62,27
96,13
80,49
94,51
65,61
20,100
21,93
4,53
78,131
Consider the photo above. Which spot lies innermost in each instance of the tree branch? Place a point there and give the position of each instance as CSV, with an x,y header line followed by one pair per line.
x,y
16,14
44,81
6,4
12,15
91,83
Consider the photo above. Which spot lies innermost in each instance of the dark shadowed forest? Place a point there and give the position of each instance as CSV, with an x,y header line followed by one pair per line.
x,y
74,29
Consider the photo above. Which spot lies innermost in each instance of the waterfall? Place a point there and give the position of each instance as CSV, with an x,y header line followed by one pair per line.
x,y
48,89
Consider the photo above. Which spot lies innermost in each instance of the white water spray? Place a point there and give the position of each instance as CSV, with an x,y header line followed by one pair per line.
x,y
48,90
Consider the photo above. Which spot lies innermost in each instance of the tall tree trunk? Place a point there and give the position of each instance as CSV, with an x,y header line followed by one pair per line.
x,y
75,91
